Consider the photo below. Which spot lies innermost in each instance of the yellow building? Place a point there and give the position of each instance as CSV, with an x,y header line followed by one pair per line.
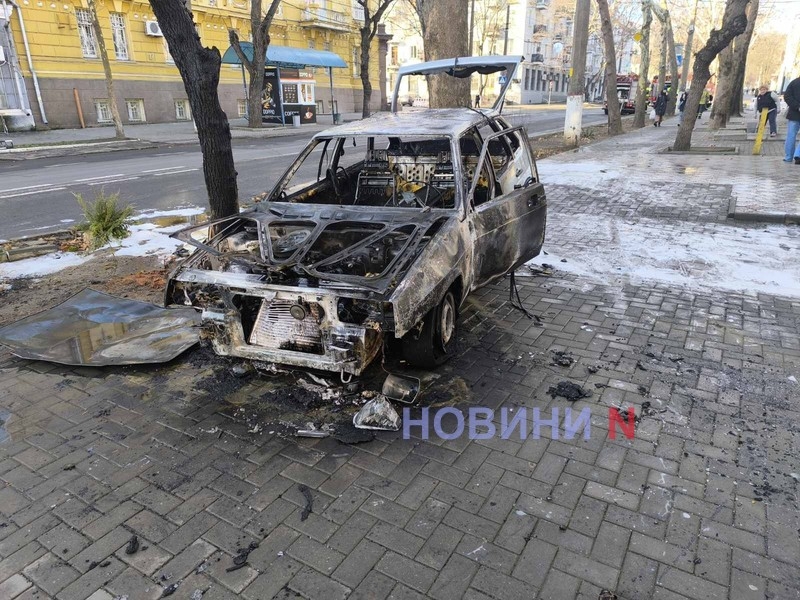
x,y
50,45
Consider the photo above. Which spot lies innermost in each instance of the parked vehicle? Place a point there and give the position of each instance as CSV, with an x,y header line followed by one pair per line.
x,y
627,88
396,219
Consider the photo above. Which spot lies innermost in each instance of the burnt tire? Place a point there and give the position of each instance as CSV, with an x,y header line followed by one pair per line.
x,y
435,343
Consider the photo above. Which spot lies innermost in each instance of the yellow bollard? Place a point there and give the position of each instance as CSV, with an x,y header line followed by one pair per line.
x,y
762,122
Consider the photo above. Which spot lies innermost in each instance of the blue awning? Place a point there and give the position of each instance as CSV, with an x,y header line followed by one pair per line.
x,y
287,57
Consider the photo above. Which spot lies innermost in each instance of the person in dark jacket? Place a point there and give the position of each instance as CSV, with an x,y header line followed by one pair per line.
x,y
660,108
791,96
682,106
768,100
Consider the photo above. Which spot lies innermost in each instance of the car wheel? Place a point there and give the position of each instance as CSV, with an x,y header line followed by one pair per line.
x,y
435,342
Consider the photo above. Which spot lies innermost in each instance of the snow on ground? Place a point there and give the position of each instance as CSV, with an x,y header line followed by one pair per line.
x,y
41,265
712,257
145,239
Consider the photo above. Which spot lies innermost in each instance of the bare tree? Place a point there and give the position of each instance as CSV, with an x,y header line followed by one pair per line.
x,y
741,47
445,27
614,116
259,28
489,28
734,22
199,69
368,31
644,66
101,49
667,56
763,62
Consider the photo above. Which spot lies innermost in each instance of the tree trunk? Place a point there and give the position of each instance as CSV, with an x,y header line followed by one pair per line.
x,y
445,25
734,22
673,68
719,110
644,74
101,49
614,115
259,30
740,53
366,84
199,69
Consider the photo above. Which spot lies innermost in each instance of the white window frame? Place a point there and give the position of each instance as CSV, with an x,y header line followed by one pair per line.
x,y
138,103
119,35
86,33
305,93
167,54
102,108
358,12
241,107
183,103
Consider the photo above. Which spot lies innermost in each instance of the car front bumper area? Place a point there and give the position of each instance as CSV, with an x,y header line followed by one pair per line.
x,y
286,325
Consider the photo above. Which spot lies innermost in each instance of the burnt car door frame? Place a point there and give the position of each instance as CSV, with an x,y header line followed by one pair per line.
x,y
500,247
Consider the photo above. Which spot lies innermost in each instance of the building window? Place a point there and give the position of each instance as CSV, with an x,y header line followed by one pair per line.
x,y
413,52
312,44
358,12
241,107
182,111
86,32
167,54
527,78
135,110
103,109
306,93
119,36
395,58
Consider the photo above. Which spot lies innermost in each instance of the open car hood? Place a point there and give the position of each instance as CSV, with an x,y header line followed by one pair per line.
x,y
93,328
369,249
463,67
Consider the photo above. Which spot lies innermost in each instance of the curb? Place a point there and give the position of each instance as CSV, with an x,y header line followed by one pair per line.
x,y
751,217
34,152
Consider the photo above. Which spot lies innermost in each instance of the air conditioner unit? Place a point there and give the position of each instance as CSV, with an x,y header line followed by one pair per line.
x,y
152,28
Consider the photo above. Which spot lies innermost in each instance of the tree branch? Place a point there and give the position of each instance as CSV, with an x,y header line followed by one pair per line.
x,y
233,38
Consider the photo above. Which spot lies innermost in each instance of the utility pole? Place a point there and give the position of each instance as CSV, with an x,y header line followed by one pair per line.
x,y
575,95
508,18
687,53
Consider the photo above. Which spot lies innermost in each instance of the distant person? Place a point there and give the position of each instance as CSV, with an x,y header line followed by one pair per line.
x,y
477,101
705,102
769,101
682,106
791,96
660,108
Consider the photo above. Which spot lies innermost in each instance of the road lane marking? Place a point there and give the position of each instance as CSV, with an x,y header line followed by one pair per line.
x,y
164,169
174,172
102,177
26,187
43,191
105,181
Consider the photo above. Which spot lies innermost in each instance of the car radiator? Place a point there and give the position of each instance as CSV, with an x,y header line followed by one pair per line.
x,y
278,329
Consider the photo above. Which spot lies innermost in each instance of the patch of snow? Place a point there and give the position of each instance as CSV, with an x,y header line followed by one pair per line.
x,y
41,265
616,252
146,240
189,211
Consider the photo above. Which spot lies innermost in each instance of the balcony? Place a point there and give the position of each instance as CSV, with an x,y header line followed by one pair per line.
x,y
323,18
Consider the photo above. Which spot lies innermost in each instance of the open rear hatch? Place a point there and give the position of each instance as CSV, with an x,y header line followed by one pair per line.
x,y
463,67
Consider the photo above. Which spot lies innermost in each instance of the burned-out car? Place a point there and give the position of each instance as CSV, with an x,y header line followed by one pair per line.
x,y
381,227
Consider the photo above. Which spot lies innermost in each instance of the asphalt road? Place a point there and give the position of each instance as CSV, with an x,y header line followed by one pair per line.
x,y
37,196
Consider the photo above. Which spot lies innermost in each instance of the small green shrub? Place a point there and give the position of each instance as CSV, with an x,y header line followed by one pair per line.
x,y
105,219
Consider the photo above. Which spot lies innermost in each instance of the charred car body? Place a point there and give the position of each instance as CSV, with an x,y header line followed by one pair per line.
x,y
399,217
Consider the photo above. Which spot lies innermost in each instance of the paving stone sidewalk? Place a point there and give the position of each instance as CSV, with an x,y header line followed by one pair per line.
x,y
701,504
